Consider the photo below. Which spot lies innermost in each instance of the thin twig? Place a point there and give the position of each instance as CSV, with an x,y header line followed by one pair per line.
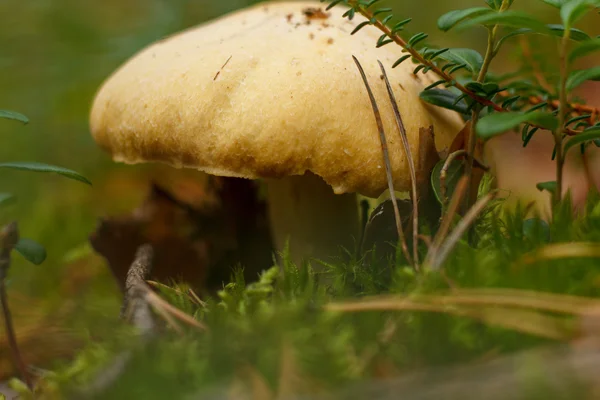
x,y
442,232
135,307
444,173
166,310
411,166
386,159
160,304
9,236
460,229
188,293
197,298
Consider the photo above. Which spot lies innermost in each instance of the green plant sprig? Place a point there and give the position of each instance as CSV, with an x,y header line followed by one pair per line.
x,y
478,96
426,57
426,61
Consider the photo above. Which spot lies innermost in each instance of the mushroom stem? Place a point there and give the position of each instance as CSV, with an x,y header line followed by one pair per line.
x,y
304,211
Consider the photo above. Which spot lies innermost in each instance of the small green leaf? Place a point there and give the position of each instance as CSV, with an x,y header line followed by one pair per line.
x,y
550,186
333,4
360,26
401,60
500,122
453,173
494,4
575,34
536,228
584,49
33,252
450,19
469,57
485,89
574,10
39,167
6,114
400,25
417,38
585,136
6,198
445,99
434,84
510,18
576,78
556,3
554,29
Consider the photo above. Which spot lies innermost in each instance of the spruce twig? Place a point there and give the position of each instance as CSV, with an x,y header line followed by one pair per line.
x,y
429,64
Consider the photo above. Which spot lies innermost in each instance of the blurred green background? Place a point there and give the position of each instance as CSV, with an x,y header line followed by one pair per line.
x,y
54,54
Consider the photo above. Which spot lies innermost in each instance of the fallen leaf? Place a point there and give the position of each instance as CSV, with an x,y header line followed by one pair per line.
x,y
199,231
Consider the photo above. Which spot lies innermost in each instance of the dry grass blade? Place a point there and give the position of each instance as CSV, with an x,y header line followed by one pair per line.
x,y
524,321
386,158
411,166
460,230
444,174
158,306
188,293
528,298
563,250
161,305
442,232
196,298
289,374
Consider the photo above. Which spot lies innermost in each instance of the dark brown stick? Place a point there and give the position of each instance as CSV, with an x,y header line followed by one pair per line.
x,y
9,236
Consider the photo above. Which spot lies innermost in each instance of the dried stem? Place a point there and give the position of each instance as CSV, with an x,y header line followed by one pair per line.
x,y
411,166
447,218
9,236
167,310
460,229
139,297
386,158
444,174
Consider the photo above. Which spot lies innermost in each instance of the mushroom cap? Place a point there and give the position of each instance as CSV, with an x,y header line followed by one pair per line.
x,y
267,92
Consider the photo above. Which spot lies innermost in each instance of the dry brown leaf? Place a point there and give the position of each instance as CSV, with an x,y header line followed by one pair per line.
x,y
198,229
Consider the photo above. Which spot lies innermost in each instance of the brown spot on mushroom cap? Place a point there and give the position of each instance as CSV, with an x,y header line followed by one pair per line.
x,y
315,13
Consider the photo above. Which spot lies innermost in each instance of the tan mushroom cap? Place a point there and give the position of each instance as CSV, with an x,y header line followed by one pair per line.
x,y
267,92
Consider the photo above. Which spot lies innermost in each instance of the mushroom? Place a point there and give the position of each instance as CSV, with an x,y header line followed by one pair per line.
x,y
271,92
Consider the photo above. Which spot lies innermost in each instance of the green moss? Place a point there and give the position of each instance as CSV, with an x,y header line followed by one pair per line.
x,y
255,325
